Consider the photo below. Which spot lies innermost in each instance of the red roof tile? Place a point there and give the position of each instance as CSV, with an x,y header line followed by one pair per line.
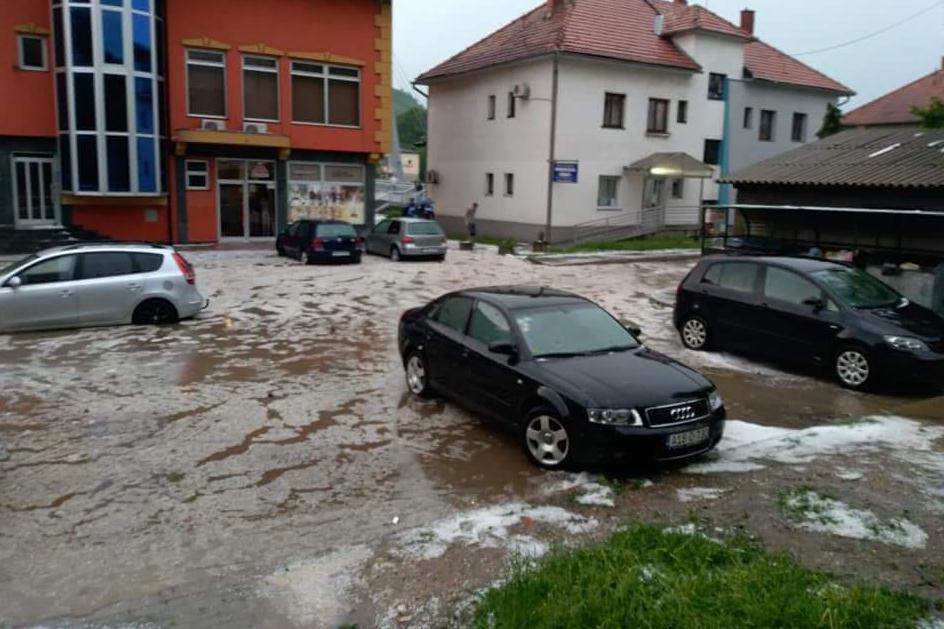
x,y
623,29
895,107
619,29
766,63
681,17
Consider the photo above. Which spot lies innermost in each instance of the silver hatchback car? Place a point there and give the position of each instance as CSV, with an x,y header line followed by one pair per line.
x,y
98,284
406,238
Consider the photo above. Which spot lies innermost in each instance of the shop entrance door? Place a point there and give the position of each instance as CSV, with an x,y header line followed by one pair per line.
x,y
34,198
247,197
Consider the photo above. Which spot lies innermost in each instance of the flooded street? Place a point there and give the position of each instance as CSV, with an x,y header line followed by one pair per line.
x,y
264,465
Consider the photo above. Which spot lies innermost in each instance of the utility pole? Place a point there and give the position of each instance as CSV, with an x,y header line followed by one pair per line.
x,y
550,160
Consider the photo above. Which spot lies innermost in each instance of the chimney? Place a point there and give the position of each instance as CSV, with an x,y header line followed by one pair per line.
x,y
747,21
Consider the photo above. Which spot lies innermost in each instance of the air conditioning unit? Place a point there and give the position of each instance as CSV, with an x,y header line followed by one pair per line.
x,y
255,127
522,91
213,125
432,177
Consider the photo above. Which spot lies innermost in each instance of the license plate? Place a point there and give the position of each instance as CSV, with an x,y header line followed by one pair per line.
x,y
340,254
690,438
432,250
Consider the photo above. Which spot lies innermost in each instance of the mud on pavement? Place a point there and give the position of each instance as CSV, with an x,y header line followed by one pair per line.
x,y
263,465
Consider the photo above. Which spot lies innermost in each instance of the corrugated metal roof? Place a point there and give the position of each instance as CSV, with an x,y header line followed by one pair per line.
x,y
874,157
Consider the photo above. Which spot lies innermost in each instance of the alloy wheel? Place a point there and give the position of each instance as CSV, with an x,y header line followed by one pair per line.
x,y
694,333
853,368
416,374
547,440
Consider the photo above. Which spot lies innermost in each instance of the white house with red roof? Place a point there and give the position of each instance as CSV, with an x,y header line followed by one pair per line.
x,y
605,118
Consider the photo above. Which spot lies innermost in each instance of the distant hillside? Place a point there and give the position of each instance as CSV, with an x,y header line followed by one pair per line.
x,y
403,101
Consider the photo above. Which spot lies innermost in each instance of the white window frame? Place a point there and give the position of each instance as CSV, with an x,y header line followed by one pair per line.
x,y
205,174
615,205
20,55
211,64
276,70
326,76
489,184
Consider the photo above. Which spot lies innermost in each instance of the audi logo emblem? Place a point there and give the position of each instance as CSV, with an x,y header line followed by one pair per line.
x,y
683,413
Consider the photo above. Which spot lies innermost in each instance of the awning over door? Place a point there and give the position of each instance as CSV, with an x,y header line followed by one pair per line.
x,y
681,165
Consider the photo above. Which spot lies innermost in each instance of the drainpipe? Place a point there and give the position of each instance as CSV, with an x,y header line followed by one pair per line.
x,y
550,160
724,193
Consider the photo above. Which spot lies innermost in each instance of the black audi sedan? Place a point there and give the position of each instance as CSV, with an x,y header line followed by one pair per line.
x,y
572,382
811,311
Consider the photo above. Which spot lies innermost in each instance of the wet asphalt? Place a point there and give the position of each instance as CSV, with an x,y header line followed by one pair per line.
x,y
166,474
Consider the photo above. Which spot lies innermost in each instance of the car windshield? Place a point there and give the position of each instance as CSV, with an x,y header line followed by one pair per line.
x,y
858,289
572,330
336,230
424,229
15,265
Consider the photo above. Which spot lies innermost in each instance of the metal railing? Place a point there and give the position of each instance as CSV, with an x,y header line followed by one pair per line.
x,y
623,225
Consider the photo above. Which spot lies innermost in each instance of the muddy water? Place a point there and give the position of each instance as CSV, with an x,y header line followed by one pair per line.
x,y
159,474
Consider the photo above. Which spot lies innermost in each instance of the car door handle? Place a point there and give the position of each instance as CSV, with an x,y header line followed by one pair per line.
x,y
66,292
134,286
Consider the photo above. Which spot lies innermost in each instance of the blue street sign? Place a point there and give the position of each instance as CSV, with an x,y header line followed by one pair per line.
x,y
565,172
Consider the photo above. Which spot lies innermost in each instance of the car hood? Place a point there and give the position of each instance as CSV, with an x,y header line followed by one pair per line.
x,y
634,379
912,319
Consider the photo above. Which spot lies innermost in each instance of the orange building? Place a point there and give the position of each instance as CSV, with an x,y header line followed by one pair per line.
x,y
190,121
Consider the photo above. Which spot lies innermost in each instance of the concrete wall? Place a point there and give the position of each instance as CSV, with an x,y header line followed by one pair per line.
x,y
746,148
464,145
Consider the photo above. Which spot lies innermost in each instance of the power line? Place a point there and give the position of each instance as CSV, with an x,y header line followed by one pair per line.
x,y
871,35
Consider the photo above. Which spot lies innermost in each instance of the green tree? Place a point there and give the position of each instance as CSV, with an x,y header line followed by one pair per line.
x,y
832,122
932,116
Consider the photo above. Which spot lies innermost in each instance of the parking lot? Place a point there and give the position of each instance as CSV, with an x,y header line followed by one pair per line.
x,y
264,465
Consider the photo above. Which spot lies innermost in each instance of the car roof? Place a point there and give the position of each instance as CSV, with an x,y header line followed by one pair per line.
x,y
324,221
105,246
523,296
410,219
802,264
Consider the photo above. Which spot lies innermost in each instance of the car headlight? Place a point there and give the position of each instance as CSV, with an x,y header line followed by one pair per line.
x,y
906,343
614,416
715,401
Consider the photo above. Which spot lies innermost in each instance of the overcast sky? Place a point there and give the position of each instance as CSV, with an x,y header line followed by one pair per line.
x,y
427,32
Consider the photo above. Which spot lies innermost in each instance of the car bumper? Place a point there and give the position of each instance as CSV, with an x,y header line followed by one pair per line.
x,y
418,252
193,304
905,367
335,256
640,444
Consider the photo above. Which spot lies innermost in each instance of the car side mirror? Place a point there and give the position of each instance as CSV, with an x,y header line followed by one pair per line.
x,y
632,328
505,349
14,282
816,303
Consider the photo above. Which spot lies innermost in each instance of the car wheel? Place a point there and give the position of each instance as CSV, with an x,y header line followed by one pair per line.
x,y
281,251
417,375
694,333
547,440
441,258
395,254
307,257
853,367
154,312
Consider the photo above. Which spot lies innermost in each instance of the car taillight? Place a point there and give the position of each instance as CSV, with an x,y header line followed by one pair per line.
x,y
408,240
678,291
360,243
185,268
317,244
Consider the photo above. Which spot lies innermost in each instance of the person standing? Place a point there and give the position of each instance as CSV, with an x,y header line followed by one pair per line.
x,y
470,219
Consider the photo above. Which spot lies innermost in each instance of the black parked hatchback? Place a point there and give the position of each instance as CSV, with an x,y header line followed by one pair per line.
x,y
568,378
320,241
811,311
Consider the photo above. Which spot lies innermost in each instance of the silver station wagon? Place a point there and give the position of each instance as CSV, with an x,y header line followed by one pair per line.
x,y
98,284
407,238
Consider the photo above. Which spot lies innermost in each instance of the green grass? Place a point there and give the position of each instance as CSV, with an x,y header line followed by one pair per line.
x,y
637,244
645,577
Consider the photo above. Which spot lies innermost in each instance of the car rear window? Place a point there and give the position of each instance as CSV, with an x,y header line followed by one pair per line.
x,y
739,276
332,230
147,262
424,229
106,264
